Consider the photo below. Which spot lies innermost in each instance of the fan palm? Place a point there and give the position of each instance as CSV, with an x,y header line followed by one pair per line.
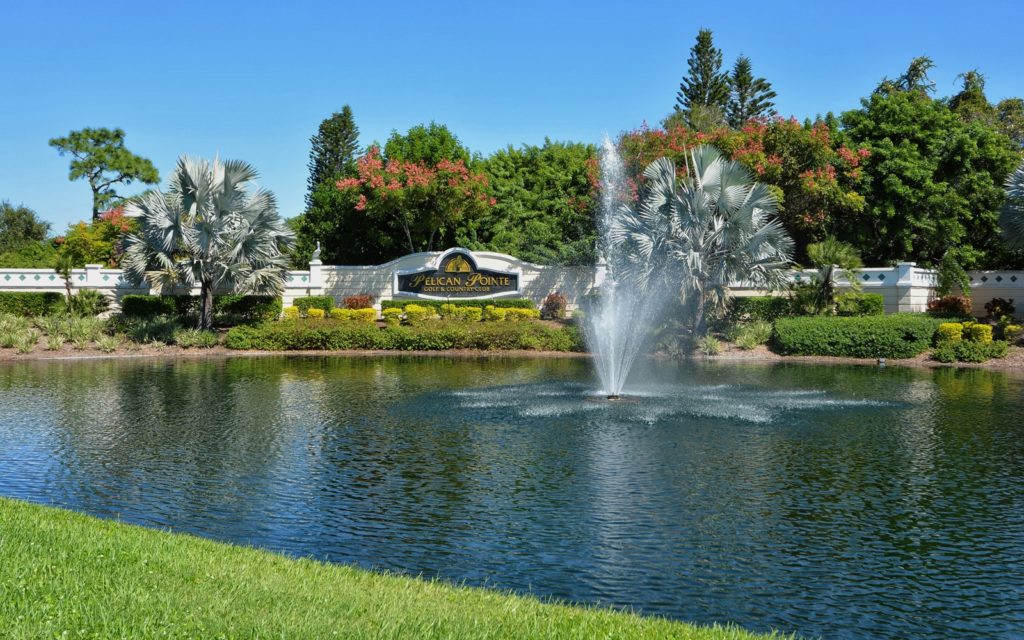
x,y
832,258
209,229
1012,217
711,229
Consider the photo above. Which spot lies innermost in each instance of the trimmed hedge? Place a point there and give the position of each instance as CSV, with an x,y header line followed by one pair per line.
x,y
336,335
970,351
500,303
247,309
860,304
767,308
31,303
901,335
314,302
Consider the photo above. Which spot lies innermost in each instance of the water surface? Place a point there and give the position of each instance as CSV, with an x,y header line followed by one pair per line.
x,y
844,502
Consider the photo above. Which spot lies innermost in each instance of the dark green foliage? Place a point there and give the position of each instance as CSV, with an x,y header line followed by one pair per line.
x,y
228,309
860,304
196,339
30,255
334,150
99,156
705,85
20,226
1000,307
314,302
501,303
951,273
768,308
544,209
430,143
933,181
345,236
86,303
750,97
1010,113
31,303
893,336
431,336
969,351
950,307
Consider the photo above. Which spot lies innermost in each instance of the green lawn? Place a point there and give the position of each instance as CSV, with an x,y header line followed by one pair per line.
x,y
66,575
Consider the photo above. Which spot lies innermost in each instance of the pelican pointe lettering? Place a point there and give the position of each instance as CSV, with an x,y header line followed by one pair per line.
x,y
457,276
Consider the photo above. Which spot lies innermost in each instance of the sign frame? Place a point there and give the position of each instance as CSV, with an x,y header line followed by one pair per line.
x,y
435,266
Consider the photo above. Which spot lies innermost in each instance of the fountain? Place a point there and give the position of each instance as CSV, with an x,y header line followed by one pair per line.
x,y
618,324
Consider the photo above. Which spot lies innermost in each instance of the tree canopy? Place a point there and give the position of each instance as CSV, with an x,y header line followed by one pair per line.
x,y
99,156
334,149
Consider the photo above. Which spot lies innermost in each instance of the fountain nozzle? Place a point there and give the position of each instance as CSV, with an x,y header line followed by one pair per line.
x,y
614,397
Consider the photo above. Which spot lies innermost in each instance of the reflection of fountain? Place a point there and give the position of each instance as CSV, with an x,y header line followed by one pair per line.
x,y
618,323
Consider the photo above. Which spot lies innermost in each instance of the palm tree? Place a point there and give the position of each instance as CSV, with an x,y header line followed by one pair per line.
x,y
709,230
1012,216
211,229
832,258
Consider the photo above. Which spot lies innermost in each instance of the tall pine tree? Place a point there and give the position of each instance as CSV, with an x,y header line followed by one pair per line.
x,y
706,87
750,98
335,147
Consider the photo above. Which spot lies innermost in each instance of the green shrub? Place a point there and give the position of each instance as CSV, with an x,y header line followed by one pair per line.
x,y
893,336
228,309
315,313
755,333
1000,307
709,346
54,342
25,341
340,314
314,302
949,332
860,304
747,341
1012,333
978,332
31,303
364,314
446,311
968,351
766,308
87,302
418,314
107,344
341,335
950,307
196,339
469,314
500,303
494,314
516,314
139,306
392,316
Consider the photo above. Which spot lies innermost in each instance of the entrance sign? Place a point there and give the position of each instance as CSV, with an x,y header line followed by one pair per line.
x,y
455,275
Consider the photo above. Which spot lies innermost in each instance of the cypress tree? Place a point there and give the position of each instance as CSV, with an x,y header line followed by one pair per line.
x,y
750,98
705,85
335,147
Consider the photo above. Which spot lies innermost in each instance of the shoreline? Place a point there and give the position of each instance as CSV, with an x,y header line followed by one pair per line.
x,y
1013,362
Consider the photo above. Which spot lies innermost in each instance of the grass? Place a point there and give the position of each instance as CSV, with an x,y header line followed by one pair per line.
x,y
67,575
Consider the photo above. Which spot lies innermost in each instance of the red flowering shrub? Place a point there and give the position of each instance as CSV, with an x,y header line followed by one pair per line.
x,y
952,306
553,307
361,301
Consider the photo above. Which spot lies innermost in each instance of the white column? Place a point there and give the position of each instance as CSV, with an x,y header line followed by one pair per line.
x,y
905,286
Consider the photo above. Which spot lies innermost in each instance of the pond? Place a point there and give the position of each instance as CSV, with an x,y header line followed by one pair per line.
x,y
844,502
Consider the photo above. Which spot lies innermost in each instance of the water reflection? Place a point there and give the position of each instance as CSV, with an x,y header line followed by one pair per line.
x,y
846,502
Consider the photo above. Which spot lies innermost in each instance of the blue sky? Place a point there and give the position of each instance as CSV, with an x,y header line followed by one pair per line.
x,y
253,80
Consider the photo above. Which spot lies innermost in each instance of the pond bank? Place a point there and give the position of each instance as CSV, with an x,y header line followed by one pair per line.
x,y
1014,361
64,574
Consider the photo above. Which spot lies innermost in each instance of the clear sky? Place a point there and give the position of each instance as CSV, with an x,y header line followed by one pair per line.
x,y
253,80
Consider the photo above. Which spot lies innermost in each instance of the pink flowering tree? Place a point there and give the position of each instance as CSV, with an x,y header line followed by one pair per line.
x,y
816,178
425,200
